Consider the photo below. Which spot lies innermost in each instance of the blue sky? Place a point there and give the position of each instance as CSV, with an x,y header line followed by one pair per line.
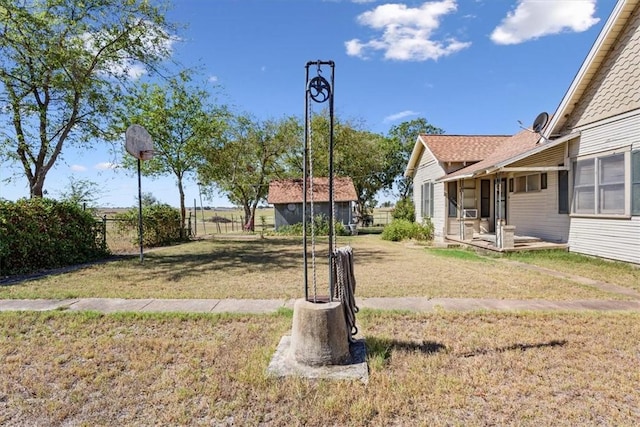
x,y
467,66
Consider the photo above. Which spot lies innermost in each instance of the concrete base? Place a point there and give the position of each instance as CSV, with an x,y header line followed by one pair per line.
x,y
319,335
283,365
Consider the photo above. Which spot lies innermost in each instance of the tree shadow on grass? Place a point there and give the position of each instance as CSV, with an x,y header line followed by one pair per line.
x,y
268,255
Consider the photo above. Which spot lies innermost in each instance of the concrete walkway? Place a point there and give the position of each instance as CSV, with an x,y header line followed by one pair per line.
x,y
110,305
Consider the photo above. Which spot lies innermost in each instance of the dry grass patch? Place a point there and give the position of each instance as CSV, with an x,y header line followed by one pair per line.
x,y
272,268
432,369
614,272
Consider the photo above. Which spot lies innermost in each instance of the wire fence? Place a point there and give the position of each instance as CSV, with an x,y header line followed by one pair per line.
x,y
203,222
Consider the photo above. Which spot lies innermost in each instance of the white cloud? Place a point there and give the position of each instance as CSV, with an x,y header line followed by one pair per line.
x,y
407,33
532,19
400,115
103,166
78,168
213,79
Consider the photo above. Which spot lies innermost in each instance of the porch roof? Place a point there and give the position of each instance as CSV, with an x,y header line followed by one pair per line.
x,y
518,147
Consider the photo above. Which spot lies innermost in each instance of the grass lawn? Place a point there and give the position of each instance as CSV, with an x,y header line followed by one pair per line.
x,y
272,268
61,368
618,273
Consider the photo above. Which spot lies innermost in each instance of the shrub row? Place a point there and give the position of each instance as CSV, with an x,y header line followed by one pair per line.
x,y
320,225
161,224
402,229
39,233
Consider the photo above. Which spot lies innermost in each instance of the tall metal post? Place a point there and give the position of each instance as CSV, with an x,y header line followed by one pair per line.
x,y
140,211
305,177
319,90
332,230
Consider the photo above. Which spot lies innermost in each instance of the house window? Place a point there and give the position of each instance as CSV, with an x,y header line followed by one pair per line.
x,y
485,198
528,183
563,192
543,181
427,200
452,197
469,194
635,183
599,185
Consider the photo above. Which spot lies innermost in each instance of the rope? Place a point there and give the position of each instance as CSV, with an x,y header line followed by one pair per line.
x,y
345,281
312,213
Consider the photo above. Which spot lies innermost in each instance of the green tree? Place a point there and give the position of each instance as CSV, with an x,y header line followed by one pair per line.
x,y
403,138
251,154
63,66
362,155
181,122
82,192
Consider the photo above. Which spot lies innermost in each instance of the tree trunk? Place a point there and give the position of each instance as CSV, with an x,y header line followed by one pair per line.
x,y
248,217
183,211
36,185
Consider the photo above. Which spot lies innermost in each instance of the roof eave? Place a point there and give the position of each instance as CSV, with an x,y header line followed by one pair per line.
x,y
591,62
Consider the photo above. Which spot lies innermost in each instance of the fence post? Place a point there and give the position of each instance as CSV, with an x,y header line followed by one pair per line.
x,y
189,226
104,231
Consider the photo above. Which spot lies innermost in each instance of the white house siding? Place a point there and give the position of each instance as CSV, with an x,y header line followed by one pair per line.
x,y
430,170
536,213
607,238
615,87
608,135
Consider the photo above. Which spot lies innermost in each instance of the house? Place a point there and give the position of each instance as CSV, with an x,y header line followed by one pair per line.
x,y
286,197
575,181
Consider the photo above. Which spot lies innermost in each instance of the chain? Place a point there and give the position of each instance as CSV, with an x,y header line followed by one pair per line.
x,y
312,213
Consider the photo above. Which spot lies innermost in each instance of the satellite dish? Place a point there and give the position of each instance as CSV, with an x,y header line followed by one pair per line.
x,y
138,142
540,122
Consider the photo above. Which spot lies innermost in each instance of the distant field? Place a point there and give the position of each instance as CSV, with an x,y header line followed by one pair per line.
x,y
209,221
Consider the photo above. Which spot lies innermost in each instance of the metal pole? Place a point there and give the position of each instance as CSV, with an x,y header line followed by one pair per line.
x,y
305,174
331,196
140,211
204,226
195,221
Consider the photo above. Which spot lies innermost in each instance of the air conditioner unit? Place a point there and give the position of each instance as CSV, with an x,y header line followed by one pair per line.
x,y
470,213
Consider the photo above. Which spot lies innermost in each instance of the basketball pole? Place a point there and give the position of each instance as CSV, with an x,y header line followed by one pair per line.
x,y
140,209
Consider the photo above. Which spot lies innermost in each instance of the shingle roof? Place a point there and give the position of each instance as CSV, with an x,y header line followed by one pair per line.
x,y
290,190
462,148
510,147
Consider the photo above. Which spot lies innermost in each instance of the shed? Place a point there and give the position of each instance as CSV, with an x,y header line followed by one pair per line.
x,y
286,197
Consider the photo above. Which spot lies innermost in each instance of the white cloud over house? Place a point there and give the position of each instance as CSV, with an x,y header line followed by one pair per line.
x,y
406,33
78,168
532,19
400,115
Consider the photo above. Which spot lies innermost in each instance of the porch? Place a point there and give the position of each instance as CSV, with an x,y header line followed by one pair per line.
x,y
488,242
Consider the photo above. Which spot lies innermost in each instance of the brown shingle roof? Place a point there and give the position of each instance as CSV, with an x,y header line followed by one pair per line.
x,y
509,148
290,190
462,148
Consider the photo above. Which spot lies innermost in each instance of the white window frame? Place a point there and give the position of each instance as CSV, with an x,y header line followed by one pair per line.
x,y
427,200
518,187
599,186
